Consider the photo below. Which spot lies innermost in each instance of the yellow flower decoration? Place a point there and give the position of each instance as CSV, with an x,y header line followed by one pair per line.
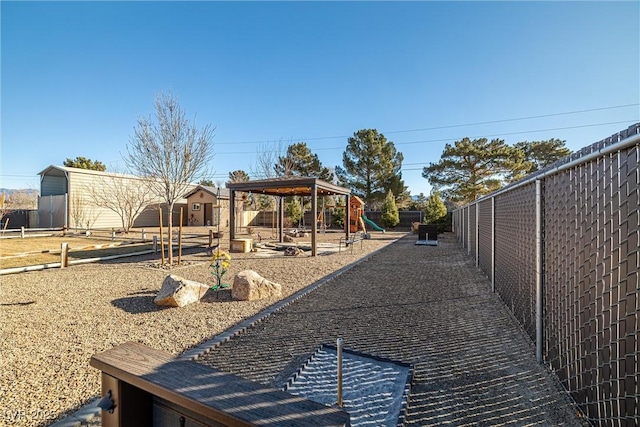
x,y
220,263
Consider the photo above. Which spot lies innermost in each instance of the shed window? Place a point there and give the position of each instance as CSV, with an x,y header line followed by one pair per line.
x,y
195,207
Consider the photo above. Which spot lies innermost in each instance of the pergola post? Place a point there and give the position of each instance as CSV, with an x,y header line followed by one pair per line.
x,y
290,186
281,219
347,219
232,216
314,223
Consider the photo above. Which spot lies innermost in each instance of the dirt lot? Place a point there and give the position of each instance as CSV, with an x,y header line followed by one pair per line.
x,y
37,250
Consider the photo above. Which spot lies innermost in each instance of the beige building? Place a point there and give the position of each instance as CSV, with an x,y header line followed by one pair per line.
x,y
68,199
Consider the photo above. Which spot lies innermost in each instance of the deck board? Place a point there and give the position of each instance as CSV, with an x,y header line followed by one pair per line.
x,y
214,394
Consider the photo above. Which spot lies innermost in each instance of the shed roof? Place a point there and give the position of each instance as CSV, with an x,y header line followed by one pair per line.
x,y
289,186
224,192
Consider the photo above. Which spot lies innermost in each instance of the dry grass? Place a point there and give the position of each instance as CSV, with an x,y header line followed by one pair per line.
x,y
17,252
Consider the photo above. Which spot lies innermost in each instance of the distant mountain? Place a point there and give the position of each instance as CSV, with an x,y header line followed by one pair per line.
x,y
9,191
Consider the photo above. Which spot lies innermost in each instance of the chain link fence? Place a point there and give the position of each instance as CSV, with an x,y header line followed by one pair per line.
x,y
562,250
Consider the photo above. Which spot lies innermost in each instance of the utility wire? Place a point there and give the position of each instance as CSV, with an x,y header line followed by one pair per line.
x,y
448,126
458,138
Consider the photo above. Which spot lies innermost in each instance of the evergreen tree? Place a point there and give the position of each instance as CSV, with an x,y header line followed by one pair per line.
x,y
395,184
293,210
238,176
434,209
338,213
419,203
472,168
540,154
370,163
390,215
300,161
84,163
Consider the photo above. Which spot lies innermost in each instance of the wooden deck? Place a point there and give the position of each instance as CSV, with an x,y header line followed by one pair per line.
x,y
142,380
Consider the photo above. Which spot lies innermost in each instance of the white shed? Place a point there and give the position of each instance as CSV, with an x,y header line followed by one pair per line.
x,y
66,199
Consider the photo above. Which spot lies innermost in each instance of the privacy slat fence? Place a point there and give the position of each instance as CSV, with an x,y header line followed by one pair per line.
x,y
561,250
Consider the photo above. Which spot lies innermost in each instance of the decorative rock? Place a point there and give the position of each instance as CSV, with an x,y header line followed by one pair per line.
x,y
293,251
249,285
178,292
414,227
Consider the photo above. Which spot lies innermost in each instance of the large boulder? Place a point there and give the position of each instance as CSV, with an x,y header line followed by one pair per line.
x,y
249,285
178,292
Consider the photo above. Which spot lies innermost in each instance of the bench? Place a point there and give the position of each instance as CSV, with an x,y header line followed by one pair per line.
x,y
149,387
354,238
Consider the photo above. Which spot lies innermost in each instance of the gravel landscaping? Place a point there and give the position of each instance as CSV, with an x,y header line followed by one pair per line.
x,y
53,321
425,306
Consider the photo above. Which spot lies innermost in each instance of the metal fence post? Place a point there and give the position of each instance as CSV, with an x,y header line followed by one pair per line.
x,y
493,244
468,230
539,266
477,235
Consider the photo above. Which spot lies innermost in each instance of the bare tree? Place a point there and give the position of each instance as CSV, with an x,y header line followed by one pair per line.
x,y
83,216
170,152
23,199
5,209
268,156
15,200
126,196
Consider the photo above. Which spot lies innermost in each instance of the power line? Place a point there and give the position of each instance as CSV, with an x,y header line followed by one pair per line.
x,y
447,126
516,119
458,138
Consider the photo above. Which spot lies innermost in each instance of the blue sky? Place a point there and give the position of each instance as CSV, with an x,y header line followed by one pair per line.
x,y
77,75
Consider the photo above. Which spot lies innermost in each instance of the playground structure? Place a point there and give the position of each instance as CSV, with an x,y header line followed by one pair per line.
x,y
357,219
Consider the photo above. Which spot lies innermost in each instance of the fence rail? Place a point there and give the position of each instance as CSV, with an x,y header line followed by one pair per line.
x,y
562,250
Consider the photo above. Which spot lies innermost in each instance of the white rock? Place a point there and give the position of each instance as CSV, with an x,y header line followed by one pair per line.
x,y
178,292
249,285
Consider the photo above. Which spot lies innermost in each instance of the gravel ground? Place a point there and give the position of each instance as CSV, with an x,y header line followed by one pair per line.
x,y
426,306
53,321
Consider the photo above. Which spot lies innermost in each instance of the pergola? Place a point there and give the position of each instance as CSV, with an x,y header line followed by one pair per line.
x,y
290,186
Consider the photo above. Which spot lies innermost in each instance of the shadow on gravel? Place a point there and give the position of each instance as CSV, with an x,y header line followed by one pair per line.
x,y
221,295
142,301
138,304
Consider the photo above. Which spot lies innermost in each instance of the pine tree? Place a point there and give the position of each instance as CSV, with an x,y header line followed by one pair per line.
x,y
472,168
371,167
85,163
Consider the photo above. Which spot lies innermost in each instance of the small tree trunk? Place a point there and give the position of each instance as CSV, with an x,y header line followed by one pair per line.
x,y
170,232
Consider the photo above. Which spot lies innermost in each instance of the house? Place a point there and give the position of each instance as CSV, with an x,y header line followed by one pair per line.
x,y
68,199
208,206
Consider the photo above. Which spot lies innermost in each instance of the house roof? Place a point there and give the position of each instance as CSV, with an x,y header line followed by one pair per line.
x,y
289,186
224,192
61,170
